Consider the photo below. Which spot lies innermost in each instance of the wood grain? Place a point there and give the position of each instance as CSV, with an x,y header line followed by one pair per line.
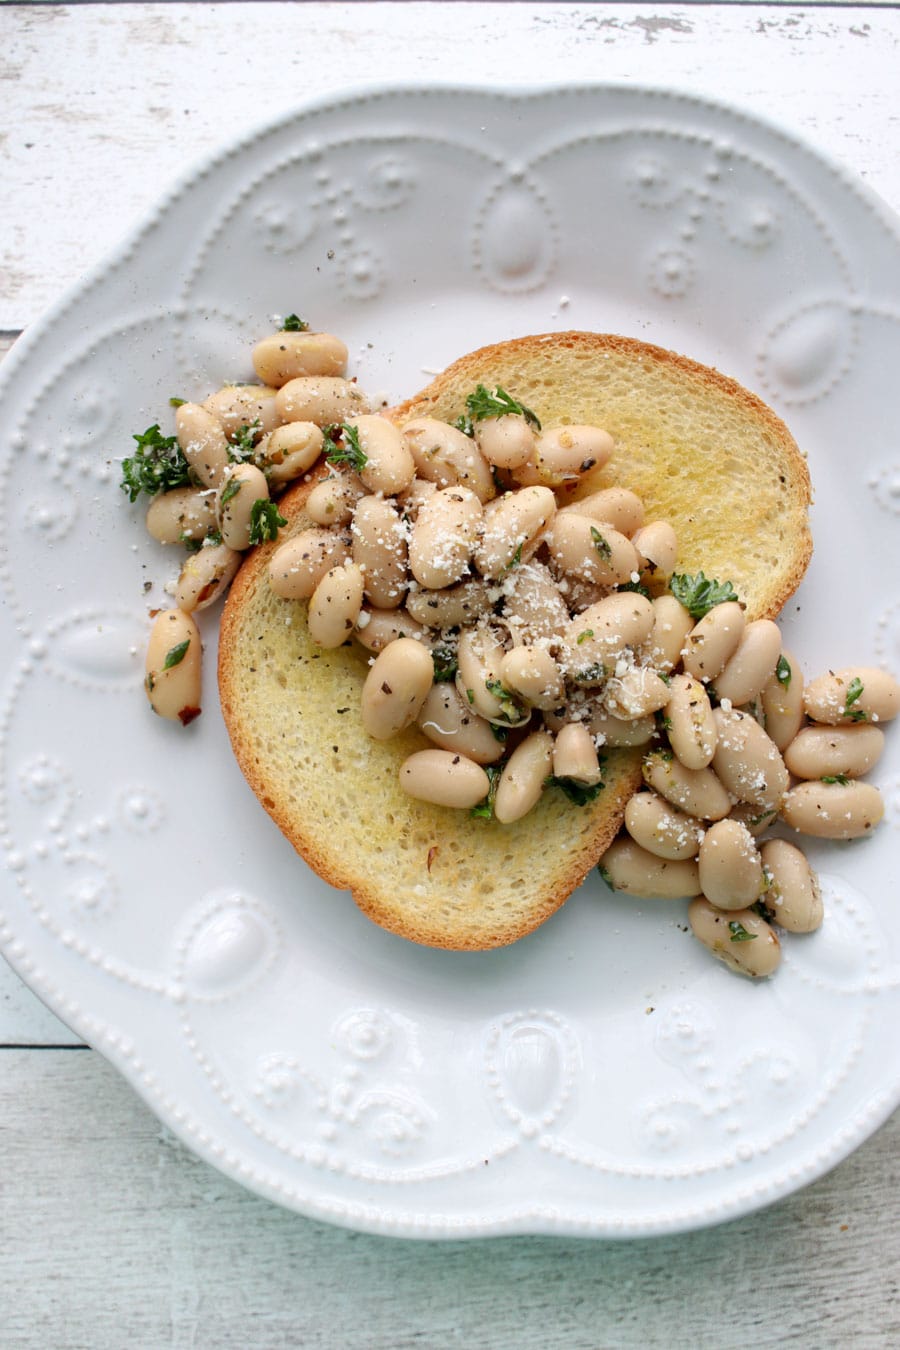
x,y
112,1234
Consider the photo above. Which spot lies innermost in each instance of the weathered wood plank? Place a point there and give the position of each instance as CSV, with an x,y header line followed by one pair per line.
x,y
112,1234
83,157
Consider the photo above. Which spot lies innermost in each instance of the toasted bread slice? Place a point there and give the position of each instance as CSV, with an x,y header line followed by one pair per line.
x,y
699,449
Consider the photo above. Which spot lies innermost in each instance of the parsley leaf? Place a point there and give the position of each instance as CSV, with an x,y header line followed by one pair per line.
x,y
637,586
444,661
231,489
498,403
264,521
175,655
739,933
579,793
509,708
783,672
485,808
600,544
854,693
346,448
243,442
464,424
840,778
294,324
157,465
700,594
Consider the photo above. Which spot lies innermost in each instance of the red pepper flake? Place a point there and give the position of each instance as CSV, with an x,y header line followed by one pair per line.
x,y
187,715
432,854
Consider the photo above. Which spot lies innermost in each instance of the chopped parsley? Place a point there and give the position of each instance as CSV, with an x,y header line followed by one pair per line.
x,y
498,403
231,489
294,324
600,544
840,778
579,793
346,448
264,521
177,402
700,594
158,465
242,443
485,808
464,424
854,693
509,708
444,660
584,635
783,672
514,560
175,655
739,933
637,586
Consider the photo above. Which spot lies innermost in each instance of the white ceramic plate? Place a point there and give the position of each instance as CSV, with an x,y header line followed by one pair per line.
x,y
604,1076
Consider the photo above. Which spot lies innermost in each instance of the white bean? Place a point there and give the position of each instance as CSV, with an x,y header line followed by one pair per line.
x,y
657,547
824,751
782,701
323,399
389,466
741,938
335,605
748,761
478,679
181,514
713,640
380,549
205,576
638,692
594,639
692,729
532,673
446,456
857,694
575,755
287,355
287,452
731,874
375,628
591,550
242,486
616,506
660,828
203,442
243,405
524,774
671,625
444,778
625,866
396,687
332,501
172,679
696,791
452,607
444,536
512,529
298,565
452,724
793,895
844,810
748,670
505,441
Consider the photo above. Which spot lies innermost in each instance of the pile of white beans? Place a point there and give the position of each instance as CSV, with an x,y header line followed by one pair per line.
x,y
491,607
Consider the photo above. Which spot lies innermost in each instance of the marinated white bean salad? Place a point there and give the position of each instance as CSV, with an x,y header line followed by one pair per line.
x,y
522,631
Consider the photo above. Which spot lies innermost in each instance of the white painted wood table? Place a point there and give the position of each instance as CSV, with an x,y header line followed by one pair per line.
x,y
111,1233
